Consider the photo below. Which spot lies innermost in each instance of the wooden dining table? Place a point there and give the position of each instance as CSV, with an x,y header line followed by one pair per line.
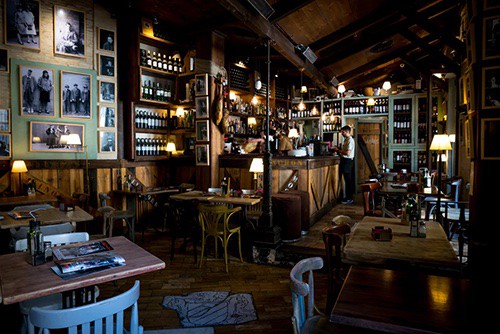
x,y
9,202
405,301
397,191
47,217
21,281
434,250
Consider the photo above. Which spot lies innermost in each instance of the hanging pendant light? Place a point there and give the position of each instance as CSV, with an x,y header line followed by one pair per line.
x,y
341,89
302,105
386,85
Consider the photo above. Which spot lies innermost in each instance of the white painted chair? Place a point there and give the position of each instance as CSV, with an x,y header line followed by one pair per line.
x,y
54,301
106,316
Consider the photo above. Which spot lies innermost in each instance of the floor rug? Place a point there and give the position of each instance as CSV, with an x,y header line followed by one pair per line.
x,y
212,308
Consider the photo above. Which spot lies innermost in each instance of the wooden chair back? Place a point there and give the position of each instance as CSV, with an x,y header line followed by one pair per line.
x,y
334,238
369,203
303,292
103,316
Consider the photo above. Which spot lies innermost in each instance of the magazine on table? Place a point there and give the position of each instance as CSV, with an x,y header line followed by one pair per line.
x,y
92,261
73,251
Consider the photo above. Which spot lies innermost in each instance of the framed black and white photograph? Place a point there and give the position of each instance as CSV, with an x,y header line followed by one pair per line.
x,y
201,107
467,138
106,117
4,120
5,145
202,133
56,137
491,4
105,39
107,142
107,91
76,95
490,128
491,87
36,91
69,32
4,61
491,37
22,23
469,90
202,155
470,46
106,66
201,87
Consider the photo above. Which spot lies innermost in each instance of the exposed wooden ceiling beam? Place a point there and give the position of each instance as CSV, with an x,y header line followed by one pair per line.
x,y
284,8
280,43
443,60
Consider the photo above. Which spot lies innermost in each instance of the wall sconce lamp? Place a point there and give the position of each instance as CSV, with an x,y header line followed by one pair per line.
x,y
19,166
257,166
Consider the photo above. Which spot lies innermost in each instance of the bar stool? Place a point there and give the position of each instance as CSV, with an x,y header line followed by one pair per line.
x,y
110,215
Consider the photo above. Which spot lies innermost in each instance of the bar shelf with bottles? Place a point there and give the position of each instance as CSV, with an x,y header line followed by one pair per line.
x,y
239,77
402,159
151,129
402,121
156,89
312,110
156,60
366,106
422,118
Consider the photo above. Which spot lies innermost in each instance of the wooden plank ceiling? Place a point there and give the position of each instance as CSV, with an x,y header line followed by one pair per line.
x,y
360,43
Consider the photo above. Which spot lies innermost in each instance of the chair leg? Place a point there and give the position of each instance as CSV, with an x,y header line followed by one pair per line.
x,y
226,242
239,246
202,249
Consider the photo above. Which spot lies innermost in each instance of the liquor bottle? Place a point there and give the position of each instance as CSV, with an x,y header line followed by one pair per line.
x,y
165,63
181,66
30,237
175,66
143,58
170,64
149,60
155,61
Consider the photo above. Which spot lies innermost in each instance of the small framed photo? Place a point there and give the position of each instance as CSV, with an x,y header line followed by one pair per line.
x,y
56,137
107,91
491,37
106,66
201,103
468,138
4,61
490,128
491,87
106,116
36,91
202,131
76,95
22,23
107,142
470,45
5,145
202,155
201,87
69,32
469,90
4,120
105,39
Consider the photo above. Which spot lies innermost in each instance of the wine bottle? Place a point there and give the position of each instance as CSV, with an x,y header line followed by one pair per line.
x,y
149,60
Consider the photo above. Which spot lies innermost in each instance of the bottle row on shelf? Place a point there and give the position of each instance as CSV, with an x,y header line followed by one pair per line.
x,y
157,61
296,113
150,120
402,138
366,106
402,157
185,120
156,91
151,146
402,122
402,106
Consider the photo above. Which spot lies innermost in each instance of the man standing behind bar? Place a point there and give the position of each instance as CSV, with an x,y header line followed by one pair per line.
x,y
346,153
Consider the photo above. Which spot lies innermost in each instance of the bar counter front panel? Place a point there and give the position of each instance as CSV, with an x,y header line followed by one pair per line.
x,y
319,176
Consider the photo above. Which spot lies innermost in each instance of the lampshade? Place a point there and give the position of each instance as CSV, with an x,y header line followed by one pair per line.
x,y
386,85
19,167
64,140
37,140
370,102
257,166
293,133
303,89
440,142
251,121
341,89
74,139
171,147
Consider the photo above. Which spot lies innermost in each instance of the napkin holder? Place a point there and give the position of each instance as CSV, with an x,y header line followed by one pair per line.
x,y
381,233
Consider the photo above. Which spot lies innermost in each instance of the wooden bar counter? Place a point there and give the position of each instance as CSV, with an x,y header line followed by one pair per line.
x,y
318,175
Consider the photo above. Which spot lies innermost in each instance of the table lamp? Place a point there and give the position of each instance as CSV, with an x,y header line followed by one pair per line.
x,y
440,143
257,166
19,167
294,135
171,148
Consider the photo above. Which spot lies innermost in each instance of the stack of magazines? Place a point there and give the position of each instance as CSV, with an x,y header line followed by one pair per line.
x,y
83,258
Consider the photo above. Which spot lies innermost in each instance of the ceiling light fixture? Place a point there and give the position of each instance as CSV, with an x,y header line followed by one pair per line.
x,y
341,89
386,85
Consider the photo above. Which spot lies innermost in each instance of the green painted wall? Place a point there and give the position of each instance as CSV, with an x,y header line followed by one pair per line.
x,y
21,124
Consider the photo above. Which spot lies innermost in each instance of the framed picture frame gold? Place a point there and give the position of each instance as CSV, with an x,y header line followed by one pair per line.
x,y
490,129
202,130
491,87
4,61
22,24
76,95
5,146
491,37
32,81
5,120
202,153
48,137
106,40
69,32
201,84
107,142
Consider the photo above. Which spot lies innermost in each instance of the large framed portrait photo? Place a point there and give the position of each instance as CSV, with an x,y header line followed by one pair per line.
x,y
491,87
491,37
55,137
69,32
76,95
36,91
22,23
